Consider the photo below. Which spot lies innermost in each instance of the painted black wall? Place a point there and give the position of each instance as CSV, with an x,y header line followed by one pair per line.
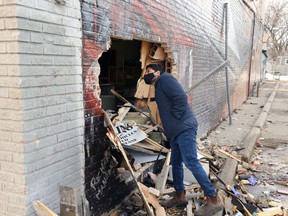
x,y
103,188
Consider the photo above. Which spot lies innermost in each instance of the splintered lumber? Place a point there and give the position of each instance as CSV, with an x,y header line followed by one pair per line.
x,y
160,211
151,145
153,200
135,108
157,145
162,177
205,154
271,211
70,198
187,188
284,183
145,146
118,144
151,128
145,49
229,155
275,204
123,112
189,208
247,165
42,210
111,134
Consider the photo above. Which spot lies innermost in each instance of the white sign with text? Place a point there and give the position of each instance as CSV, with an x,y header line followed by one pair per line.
x,y
129,134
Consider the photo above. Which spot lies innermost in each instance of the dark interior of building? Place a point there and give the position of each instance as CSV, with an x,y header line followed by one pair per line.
x,y
120,70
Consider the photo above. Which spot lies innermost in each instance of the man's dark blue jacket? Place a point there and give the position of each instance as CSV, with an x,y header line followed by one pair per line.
x,y
176,115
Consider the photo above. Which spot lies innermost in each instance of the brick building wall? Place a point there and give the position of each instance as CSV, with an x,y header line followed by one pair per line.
x,y
12,168
41,103
192,33
48,138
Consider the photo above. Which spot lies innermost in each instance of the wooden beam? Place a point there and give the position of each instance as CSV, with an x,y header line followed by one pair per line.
x,y
42,210
271,212
205,154
157,145
162,177
151,128
229,155
145,146
123,112
116,141
187,188
111,134
153,200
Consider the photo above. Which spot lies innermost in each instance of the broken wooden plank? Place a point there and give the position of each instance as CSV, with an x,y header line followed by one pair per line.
x,y
135,108
157,145
144,52
151,128
153,200
123,112
117,143
71,200
162,177
187,188
189,208
111,134
160,211
141,148
154,191
284,183
230,155
247,165
145,146
275,204
205,154
271,211
42,210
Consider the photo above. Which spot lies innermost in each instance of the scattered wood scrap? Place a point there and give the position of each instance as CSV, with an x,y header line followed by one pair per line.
x,y
162,177
42,210
159,187
271,211
153,200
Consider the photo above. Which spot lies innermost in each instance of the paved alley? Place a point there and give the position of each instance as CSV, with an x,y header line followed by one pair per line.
x,y
271,146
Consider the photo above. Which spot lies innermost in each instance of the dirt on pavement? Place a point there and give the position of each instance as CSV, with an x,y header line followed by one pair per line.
x,y
271,149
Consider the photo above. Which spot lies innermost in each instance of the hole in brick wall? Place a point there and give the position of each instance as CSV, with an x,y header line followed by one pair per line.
x,y
122,66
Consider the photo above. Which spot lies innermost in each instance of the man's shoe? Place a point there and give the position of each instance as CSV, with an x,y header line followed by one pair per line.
x,y
212,206
179,200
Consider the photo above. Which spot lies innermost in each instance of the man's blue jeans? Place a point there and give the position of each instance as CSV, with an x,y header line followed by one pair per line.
x,y
184,149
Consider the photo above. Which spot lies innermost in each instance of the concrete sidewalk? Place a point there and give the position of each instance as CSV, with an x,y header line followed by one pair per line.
x,y
250,114
247,122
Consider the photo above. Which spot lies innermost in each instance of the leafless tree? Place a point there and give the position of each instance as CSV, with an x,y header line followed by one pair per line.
x,y
277,26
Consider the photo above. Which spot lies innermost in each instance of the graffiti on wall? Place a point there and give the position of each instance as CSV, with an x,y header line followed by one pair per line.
x,y
103,20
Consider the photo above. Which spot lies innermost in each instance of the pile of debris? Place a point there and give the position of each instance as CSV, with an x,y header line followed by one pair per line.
x,y
135,134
